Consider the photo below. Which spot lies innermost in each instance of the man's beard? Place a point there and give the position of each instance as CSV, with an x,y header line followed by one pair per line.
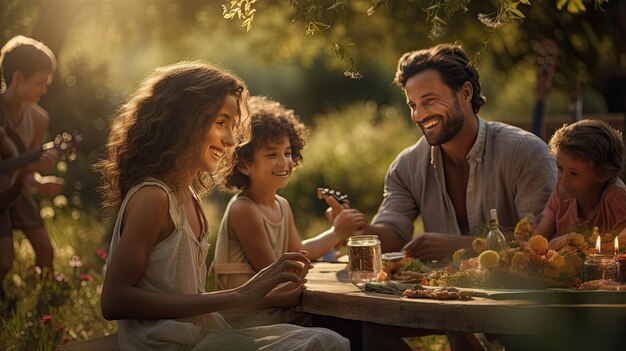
x,y
451,125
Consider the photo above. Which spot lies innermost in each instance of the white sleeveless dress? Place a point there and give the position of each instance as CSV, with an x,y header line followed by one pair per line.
x,y
177,265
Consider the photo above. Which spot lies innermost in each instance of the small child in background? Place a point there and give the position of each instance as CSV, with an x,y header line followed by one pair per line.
x,y
589,156
176,128
258,225
27,69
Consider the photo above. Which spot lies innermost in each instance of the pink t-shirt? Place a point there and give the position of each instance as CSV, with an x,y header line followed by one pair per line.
x,y
609,215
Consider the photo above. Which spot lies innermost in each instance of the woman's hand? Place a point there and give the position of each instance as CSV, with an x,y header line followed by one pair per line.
x,y
286,295
289,267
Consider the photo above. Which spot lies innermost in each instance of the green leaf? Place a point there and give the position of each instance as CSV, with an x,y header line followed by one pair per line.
x,y
517,12
335,5
525,2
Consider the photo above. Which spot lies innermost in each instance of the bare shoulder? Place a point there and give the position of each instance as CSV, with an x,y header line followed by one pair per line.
x,y
149,201
243,208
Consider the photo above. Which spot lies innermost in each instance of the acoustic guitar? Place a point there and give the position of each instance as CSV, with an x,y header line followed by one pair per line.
x,y
14,156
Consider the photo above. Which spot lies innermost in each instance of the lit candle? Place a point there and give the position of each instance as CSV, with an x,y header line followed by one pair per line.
x,y
598,266
621,260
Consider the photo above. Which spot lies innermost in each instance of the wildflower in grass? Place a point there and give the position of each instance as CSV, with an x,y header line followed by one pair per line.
x,y
46,318
76,262
102,253
85,277
60,277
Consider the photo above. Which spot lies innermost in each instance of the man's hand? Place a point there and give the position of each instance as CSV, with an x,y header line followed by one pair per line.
x,y
434,246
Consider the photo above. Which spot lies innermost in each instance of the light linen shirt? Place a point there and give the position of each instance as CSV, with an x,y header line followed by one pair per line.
x,y
510,170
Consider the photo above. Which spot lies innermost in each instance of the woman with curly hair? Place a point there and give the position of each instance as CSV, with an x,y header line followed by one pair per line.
x,y
258,225
176,128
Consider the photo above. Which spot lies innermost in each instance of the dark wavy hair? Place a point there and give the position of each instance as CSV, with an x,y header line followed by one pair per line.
x,y
593,141
26,55
270,121
158,132
450,61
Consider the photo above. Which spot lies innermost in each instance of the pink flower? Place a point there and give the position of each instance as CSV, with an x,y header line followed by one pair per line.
x,y
85,277
102,253
46,318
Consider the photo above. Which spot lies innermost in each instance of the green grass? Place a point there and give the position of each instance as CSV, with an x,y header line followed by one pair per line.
x,y
46,309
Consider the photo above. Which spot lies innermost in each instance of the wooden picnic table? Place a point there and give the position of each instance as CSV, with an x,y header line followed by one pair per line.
x,y
569,318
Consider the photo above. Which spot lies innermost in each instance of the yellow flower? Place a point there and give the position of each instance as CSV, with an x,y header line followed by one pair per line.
x,y
457,257
555,260
575,239
508,255
539,244
523,229
479,245
489,259
519,261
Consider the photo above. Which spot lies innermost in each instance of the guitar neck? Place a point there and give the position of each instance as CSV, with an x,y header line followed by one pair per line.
x,y
13,164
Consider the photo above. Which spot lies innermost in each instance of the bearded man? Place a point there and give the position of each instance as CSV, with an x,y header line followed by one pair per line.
x,y
462,167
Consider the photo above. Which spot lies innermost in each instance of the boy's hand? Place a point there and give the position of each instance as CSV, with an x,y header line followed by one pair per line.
x,y
334,207
349,221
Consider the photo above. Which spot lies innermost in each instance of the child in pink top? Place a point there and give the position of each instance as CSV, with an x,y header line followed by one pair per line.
x,y
589,193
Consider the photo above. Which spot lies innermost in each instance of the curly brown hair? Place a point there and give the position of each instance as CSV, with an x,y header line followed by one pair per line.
x,y
593,141
270,121
157,133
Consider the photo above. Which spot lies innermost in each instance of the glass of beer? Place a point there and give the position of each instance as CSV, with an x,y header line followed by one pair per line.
x,y
365,261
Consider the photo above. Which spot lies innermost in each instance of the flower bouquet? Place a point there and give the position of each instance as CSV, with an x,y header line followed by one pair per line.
x,y
526,262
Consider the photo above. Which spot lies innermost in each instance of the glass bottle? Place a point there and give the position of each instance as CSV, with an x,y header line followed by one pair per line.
x,y
495,239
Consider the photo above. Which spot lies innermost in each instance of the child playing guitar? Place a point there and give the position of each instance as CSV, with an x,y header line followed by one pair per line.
x,y
27,68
